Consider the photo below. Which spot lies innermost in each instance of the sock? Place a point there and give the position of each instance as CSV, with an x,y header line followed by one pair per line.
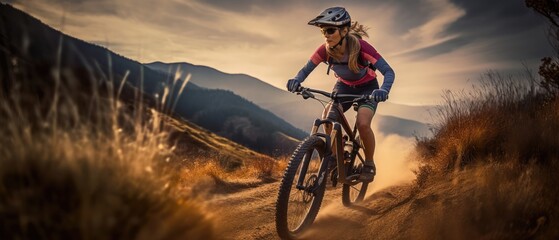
x,y
369,162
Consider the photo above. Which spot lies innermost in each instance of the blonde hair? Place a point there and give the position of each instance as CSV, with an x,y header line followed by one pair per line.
x,y
356,32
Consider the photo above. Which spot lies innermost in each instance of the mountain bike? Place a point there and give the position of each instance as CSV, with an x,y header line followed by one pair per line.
x,y
338,156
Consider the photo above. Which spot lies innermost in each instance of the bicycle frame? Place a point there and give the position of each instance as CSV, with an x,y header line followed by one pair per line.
x,y
333,141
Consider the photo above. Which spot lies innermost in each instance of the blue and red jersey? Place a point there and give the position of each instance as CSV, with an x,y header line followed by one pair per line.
x,y
342,71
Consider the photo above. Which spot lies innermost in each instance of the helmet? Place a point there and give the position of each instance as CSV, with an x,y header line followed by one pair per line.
x,y
334,16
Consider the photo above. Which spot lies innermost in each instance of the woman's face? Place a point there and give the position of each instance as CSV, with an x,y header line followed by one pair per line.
x,y
332,35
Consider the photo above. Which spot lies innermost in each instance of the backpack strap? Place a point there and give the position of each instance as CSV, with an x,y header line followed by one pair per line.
x,y
364,62
329,63
360,60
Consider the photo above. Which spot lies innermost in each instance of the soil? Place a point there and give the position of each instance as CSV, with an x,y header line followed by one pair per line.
x,y
457,207
250,214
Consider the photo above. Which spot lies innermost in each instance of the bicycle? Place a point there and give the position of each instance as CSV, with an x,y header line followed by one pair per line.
x,y
319,155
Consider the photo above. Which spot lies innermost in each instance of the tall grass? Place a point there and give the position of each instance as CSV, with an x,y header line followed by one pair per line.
x,y
493,157
505,119
88,167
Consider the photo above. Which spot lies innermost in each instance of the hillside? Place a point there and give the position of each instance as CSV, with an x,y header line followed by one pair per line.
x,y
245,122
36,51
192,140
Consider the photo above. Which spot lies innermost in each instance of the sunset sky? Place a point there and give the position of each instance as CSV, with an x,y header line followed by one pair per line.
x,y
432,45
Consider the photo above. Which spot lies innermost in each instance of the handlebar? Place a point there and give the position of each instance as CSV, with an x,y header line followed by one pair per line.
x,y
307,93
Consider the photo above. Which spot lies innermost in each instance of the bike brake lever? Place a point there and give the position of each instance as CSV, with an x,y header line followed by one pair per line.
x,y
306,94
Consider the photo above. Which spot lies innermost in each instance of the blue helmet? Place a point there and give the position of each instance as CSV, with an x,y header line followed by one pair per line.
x,y
334,16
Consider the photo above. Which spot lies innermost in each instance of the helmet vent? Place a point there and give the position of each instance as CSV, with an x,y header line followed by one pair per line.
x,y
334,16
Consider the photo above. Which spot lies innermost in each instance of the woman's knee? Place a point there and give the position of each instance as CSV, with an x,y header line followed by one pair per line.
x,y
363,125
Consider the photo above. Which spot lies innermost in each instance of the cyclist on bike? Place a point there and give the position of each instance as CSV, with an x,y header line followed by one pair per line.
x,y
353,62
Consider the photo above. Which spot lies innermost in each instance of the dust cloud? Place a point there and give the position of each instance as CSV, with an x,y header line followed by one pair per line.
x,y
394,160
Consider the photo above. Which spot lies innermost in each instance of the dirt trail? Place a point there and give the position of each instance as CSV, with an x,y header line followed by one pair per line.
x,y
487,206
250,214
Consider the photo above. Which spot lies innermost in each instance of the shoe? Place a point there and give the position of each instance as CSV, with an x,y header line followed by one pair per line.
x,y
368,173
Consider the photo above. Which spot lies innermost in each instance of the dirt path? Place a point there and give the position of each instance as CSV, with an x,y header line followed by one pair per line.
x,y
250,214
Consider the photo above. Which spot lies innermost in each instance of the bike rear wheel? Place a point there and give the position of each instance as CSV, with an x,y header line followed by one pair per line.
x,y
298,203
352,194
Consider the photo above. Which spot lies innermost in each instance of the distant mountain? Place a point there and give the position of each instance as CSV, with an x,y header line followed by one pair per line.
x,y
286,105
293,109
403,127
41,56
237,119
420,114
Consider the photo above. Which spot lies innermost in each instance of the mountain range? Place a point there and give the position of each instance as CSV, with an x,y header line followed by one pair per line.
x,y
42,59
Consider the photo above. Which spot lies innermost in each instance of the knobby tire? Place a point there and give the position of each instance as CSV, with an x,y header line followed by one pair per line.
x,y
308,146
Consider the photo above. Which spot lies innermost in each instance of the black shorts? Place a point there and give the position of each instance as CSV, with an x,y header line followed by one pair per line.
x,y
365,88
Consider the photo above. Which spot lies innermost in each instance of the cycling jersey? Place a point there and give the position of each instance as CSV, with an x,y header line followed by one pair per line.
x,y
342,71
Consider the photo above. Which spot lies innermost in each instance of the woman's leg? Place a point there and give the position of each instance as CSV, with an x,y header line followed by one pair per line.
x,y
363,121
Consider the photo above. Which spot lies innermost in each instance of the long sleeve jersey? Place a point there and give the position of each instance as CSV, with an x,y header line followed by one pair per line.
x,y
344,73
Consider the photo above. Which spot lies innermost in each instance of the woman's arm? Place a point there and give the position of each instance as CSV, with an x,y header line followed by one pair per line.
x,y
305,71
370,54
387,72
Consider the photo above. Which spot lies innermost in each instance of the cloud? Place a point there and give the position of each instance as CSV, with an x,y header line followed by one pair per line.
x,y
432,32
509,26
443,47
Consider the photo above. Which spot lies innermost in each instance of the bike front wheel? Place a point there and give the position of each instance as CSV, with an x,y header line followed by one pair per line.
x,y
302,188
354,193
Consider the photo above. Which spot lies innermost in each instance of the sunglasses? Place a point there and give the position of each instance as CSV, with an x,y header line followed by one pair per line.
x,y
329,31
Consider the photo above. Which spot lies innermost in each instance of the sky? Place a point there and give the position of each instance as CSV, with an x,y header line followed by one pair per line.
x,y
432,45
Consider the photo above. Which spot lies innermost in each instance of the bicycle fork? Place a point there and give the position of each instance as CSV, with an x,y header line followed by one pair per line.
x,y
334,142
323,169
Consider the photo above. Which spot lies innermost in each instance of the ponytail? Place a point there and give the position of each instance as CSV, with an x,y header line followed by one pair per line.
x,y
356,32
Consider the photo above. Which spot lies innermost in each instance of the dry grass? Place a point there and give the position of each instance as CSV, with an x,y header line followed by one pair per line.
x,y
504,120
103,175
494,201
489,170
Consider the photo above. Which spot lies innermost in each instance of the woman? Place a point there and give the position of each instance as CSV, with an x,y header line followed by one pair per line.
x,y
350,58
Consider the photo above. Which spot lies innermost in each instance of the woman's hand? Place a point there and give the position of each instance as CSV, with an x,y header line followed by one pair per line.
x,y
293,85
379,95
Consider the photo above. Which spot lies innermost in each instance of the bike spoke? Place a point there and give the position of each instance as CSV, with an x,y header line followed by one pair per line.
x,y
300,201
299,197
